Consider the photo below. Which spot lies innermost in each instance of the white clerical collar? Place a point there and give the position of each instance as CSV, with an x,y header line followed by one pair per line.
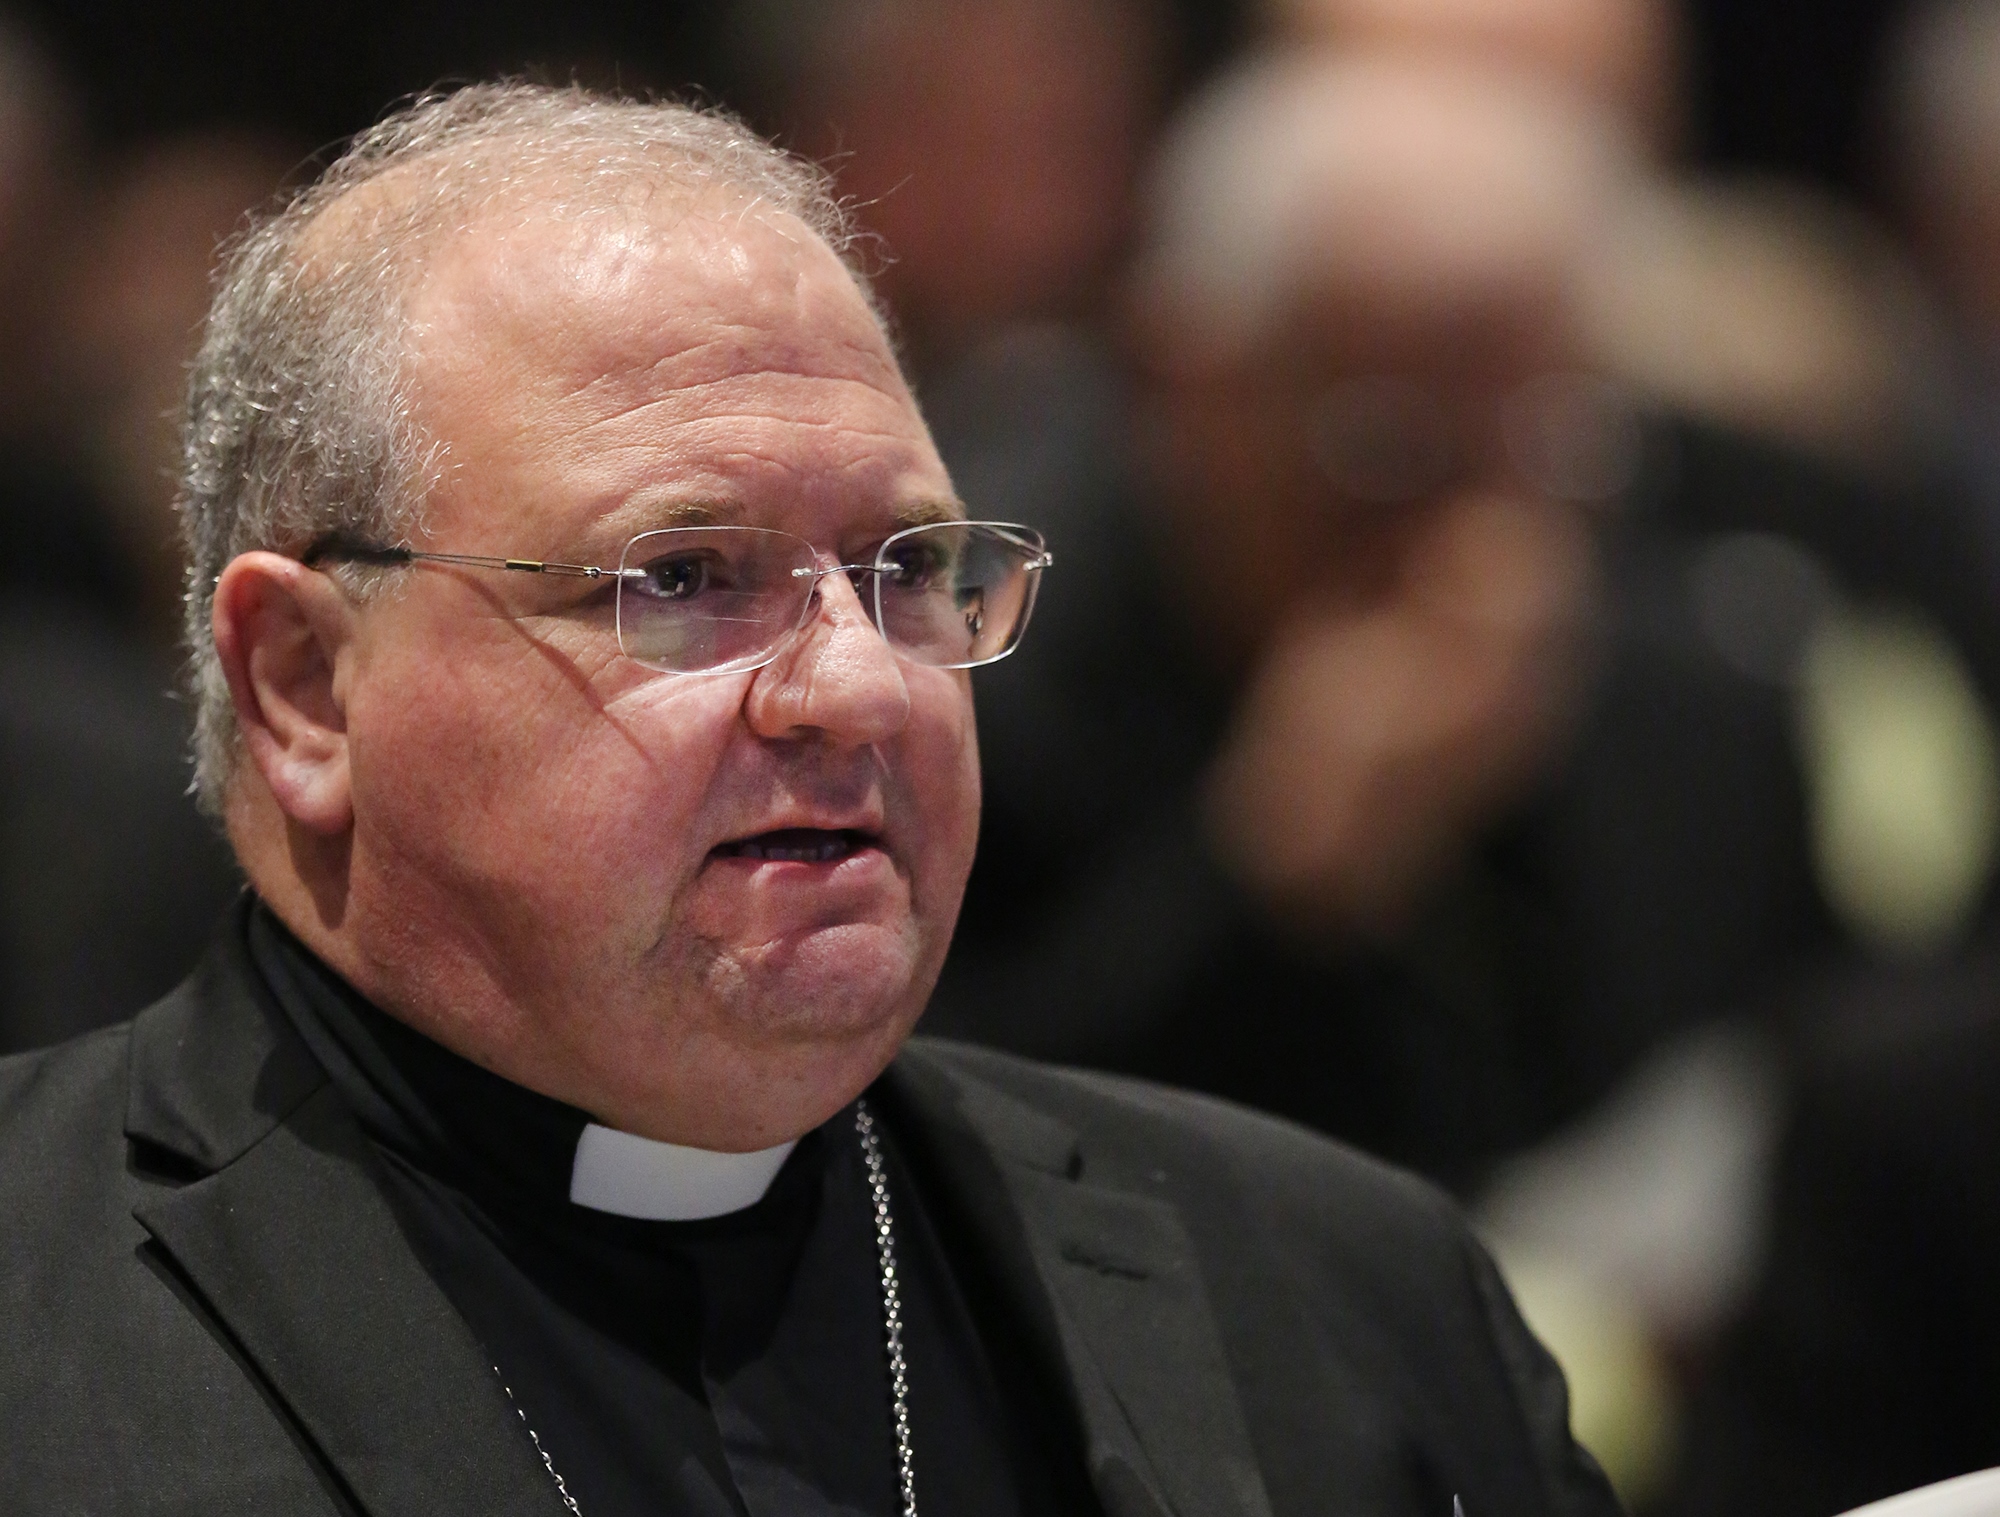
x,y
664,1182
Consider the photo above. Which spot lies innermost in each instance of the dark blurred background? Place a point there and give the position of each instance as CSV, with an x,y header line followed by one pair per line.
x,y
1775,85
1516,691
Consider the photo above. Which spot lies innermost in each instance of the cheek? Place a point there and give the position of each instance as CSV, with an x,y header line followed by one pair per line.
x,y
939,770
427,766
509,778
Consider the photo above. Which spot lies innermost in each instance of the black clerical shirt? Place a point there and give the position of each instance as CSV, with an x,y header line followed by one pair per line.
x,y
680,1369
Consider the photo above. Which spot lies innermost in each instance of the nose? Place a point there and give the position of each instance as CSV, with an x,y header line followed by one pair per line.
x,y
837,679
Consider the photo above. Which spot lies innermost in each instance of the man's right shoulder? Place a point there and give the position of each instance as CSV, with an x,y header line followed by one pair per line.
x,y
116,1387
68,1180
59,1109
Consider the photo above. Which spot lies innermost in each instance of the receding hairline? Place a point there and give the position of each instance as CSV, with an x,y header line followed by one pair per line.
x,y
442,196
300,418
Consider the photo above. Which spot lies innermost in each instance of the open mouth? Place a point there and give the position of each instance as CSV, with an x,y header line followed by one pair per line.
x,y
798,845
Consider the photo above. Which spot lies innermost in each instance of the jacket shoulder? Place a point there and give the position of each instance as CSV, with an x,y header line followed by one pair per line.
x,y
1131,1128
57,1105
1334,1280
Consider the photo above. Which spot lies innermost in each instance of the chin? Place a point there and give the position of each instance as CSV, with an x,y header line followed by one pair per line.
x,y
839,984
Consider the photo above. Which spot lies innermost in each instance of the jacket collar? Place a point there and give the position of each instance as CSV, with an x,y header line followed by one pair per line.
x,y
215,1065
289,1243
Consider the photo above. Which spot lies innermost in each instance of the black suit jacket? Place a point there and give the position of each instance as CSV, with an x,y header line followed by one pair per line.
x,y
207,1305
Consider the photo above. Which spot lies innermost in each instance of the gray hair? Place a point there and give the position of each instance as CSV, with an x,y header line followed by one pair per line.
x,y
299,425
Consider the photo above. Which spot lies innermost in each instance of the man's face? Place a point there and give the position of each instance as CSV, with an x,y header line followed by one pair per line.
x,y
1280,447
545,865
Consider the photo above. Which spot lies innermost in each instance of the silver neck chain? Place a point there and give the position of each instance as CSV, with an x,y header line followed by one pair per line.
x,y
892,1304
892,1327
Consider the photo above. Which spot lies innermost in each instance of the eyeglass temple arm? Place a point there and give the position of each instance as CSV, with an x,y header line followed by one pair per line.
x,y
368,553
361,553
1041,561
517,565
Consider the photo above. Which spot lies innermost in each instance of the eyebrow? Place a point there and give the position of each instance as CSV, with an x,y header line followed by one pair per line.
x,y
729,513
699,513
660,516
928,513
649,513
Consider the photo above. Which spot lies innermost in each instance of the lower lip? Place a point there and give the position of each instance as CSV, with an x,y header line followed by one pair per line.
x,y
856,865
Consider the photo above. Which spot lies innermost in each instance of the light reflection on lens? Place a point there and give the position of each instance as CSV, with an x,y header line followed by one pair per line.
x,y
712,600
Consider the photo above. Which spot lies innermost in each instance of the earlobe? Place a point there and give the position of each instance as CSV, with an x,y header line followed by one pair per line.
x,y
280,631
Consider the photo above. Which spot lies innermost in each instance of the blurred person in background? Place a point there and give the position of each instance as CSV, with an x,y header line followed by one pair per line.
x,y
1271,853
1787,367
1861,1363
1432,756
1787,537
991,145
1364,425
1940,154
109,880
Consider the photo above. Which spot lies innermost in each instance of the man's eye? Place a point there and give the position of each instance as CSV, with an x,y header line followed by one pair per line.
x,y
680,577
913,566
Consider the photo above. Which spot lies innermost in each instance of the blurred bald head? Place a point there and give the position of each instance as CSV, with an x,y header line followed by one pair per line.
x,y
1357,296
1623,55
1371,195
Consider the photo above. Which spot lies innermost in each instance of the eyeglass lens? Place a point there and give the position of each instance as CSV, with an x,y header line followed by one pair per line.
x,y
715,599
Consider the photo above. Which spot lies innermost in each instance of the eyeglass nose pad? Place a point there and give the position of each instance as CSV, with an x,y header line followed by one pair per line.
x,y
857,577
821,570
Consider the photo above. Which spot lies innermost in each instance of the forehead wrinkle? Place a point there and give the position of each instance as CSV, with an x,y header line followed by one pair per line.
x,y
713,451
741,352
685,408
758,477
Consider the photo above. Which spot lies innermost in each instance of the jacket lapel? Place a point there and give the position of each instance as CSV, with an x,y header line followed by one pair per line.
x,y
1108,1283
291,1246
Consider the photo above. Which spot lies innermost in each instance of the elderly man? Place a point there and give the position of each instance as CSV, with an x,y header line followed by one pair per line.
x,y
541,1134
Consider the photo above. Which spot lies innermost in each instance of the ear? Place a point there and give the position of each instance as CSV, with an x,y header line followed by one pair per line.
x,y
281,630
